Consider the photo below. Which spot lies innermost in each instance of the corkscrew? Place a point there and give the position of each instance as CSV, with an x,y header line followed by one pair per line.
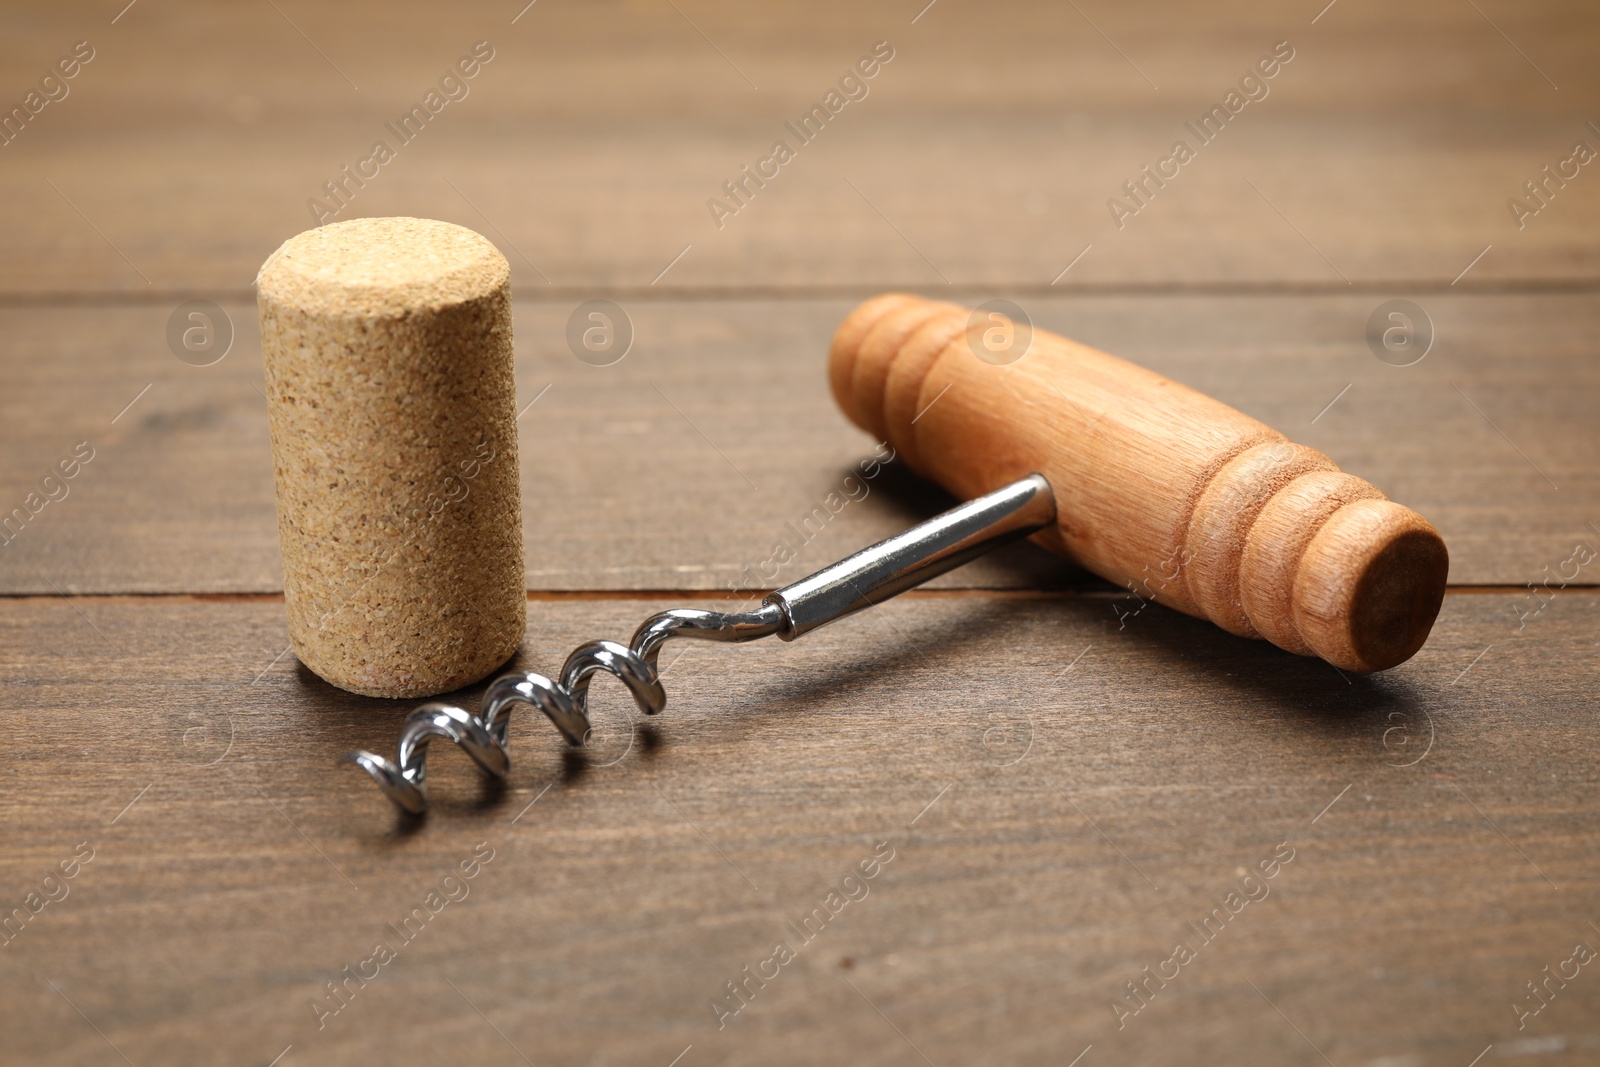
x,y
859,581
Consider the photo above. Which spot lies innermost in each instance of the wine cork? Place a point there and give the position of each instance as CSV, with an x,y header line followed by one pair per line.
x,y
392,409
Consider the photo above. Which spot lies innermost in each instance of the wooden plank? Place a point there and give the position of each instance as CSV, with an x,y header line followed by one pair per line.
x,y
982,154
1030,56
635,474
1063,798
574,211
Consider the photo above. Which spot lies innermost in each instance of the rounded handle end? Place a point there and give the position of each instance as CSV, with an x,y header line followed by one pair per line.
x,y
1370,585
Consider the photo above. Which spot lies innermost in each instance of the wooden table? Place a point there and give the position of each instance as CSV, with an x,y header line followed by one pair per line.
x,y
1053,790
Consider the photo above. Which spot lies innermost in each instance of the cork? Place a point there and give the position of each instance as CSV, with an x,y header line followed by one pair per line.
x,y
392,409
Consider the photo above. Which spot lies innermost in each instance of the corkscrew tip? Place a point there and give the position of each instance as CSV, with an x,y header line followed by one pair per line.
x,y
410,798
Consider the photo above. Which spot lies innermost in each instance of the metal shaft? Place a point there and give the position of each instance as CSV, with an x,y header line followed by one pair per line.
x,y
919,554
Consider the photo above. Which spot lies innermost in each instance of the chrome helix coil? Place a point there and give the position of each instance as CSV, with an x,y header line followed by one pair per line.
x,y
860,581
483,736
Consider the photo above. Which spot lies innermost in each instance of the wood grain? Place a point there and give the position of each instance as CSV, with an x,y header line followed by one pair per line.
x,y
1408,202
579,61
1063,790
1068,780
634,475
593,141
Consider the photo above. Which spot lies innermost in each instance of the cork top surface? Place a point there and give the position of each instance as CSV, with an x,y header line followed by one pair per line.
x,y
381,267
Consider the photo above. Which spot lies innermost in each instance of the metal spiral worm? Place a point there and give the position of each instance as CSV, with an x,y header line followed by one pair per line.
x,y
483,736
860,581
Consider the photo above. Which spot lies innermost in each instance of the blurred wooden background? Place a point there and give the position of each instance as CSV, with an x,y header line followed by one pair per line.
x,y
1066,789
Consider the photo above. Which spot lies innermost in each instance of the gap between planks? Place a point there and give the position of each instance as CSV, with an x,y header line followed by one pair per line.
x,y
669,294
556,595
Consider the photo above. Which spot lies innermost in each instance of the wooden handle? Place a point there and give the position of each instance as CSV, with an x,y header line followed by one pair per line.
x,y
1160,489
